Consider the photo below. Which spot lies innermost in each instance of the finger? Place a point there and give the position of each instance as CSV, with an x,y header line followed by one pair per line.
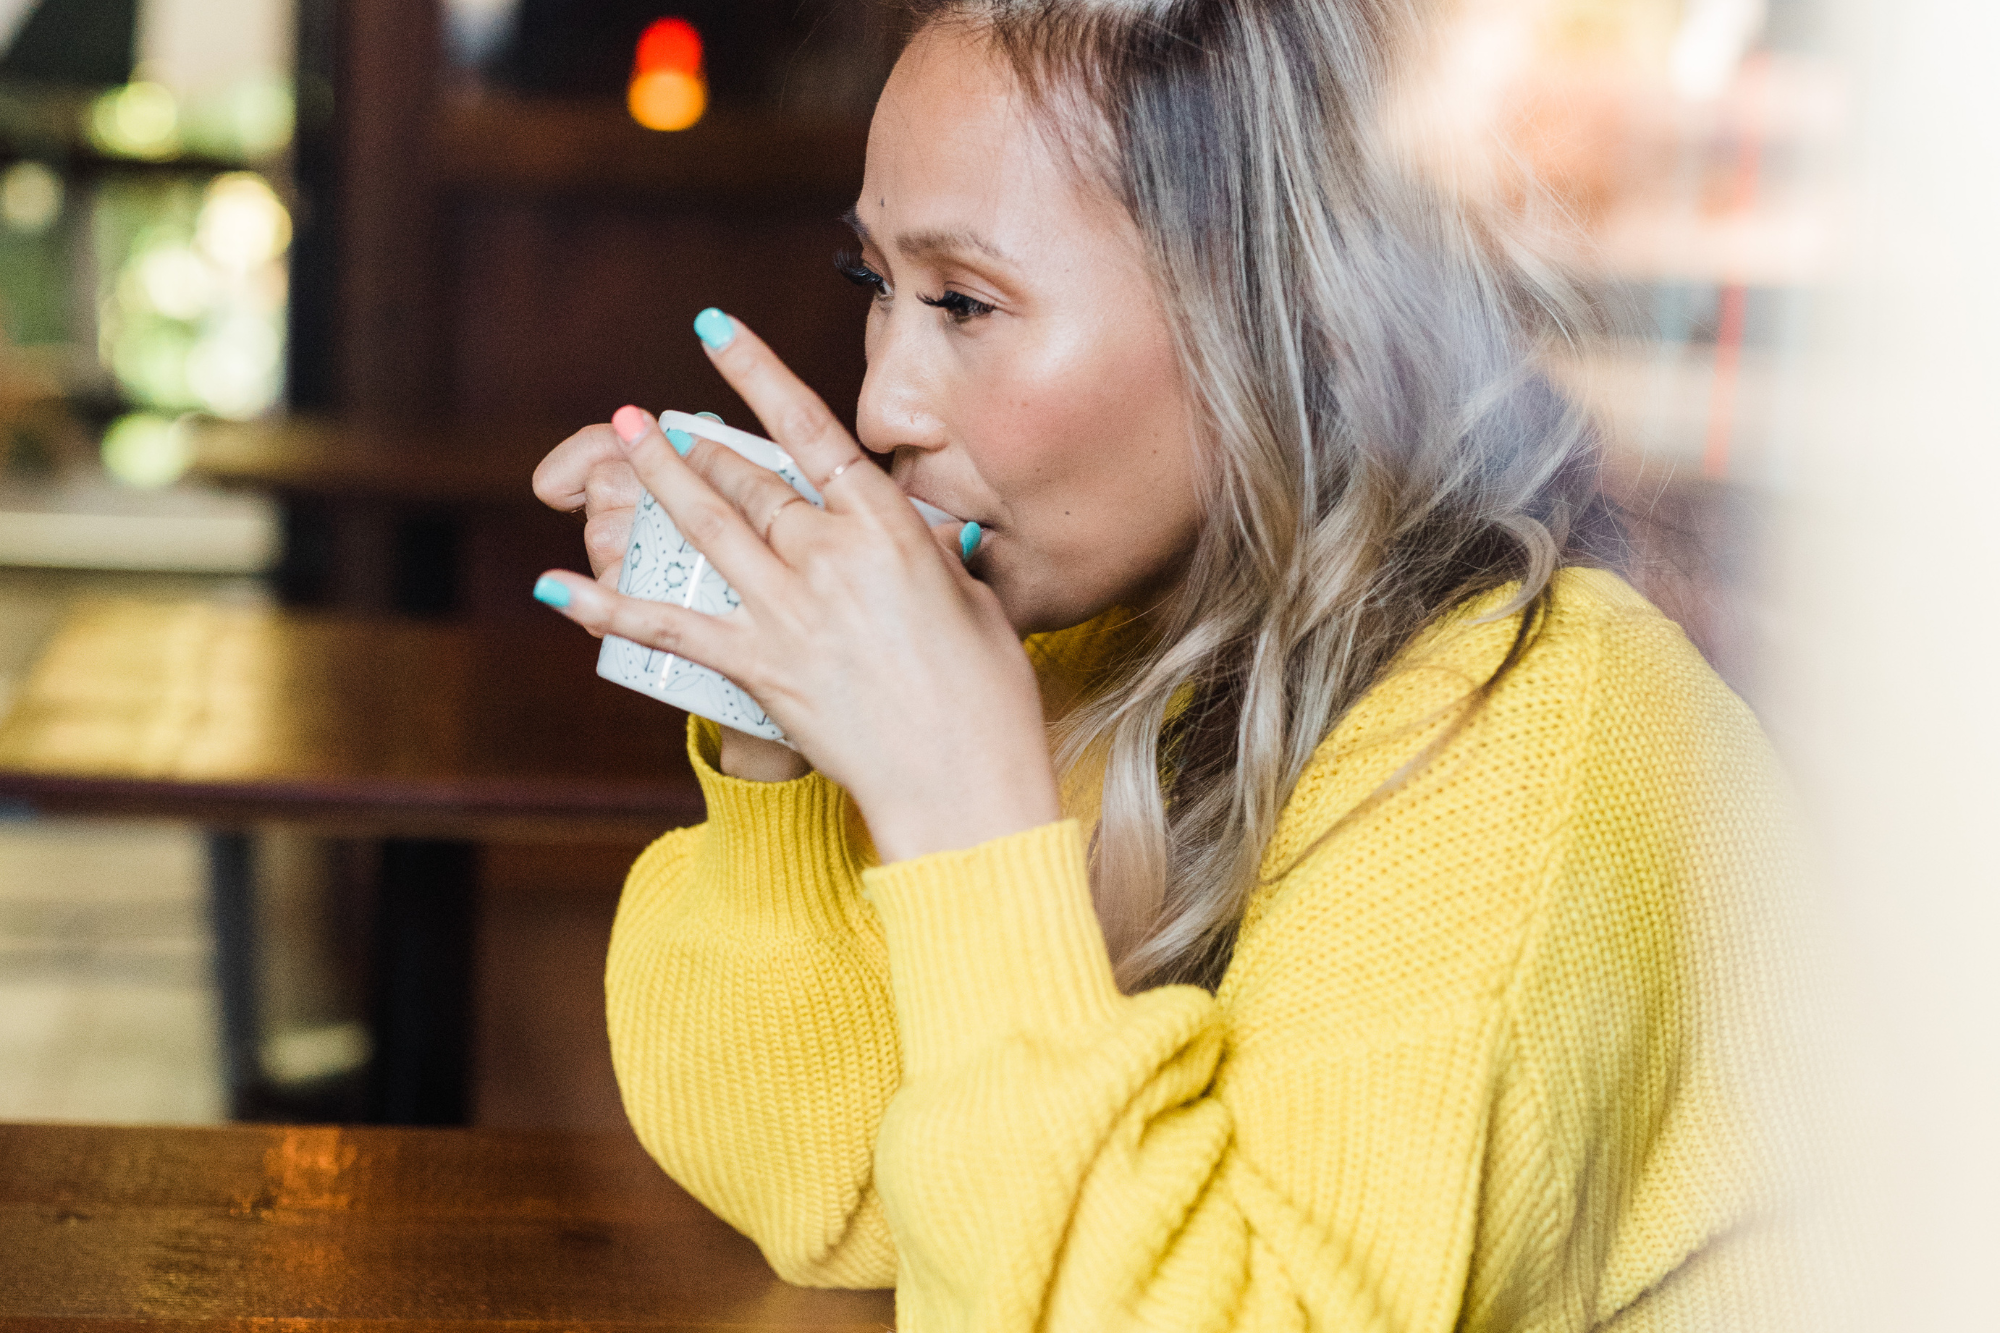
x,y
757,492
612,493
961,541
793,415
606,538
710,641
561,479
711,524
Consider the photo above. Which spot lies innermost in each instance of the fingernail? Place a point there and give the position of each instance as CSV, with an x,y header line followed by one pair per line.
x,y
714,328
969,538
630,423
710,415
681,441
551,592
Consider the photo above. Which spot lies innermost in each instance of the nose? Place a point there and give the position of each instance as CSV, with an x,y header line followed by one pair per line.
x,y
902,396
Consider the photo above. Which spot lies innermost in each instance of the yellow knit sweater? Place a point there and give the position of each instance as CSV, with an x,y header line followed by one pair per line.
x,y
1476,1062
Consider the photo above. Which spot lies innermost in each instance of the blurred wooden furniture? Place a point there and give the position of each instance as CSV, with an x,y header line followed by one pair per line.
x,y
308,455
506,145
383,1229
429,737
495,263
434,520
489,257
231,715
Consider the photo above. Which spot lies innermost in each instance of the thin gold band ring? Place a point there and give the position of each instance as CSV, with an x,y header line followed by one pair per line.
x,y
771,521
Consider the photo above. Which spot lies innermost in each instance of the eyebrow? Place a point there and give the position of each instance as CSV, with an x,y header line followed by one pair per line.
x,y
935,242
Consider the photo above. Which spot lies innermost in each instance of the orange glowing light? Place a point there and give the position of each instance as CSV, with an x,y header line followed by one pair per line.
x,y
667,99
667,91
668,44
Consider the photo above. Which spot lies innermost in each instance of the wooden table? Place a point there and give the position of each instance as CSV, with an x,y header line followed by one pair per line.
x,y
375,1229
232,715
431,737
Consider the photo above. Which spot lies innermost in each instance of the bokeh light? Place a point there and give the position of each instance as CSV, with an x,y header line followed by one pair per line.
x,y
668,91
31,197
668,44
667,99
233,368
173,280
246,121
147,450
193,316
242,222
138,120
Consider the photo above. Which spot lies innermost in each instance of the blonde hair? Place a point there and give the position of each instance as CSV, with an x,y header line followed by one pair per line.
x,y
1377,445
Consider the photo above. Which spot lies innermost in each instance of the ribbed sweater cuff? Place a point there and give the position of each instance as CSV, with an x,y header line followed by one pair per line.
x,y
996,941
781,849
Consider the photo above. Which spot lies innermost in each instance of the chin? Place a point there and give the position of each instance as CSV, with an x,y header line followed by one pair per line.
x,y
1038,607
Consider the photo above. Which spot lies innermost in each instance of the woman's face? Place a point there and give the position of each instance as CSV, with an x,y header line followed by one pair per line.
x,y
1020,369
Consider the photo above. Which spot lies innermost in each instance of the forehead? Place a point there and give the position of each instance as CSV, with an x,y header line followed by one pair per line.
x,y
954,146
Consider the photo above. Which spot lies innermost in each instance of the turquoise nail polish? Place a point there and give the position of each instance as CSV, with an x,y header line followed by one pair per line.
x,y
710,416
681,441
714,328
969,538
551,592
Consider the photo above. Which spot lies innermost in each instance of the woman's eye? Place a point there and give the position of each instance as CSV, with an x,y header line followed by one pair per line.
x,y
850,266
958,305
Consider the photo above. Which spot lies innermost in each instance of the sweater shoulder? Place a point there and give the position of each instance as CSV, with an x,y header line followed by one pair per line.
x,y
1446,720
1435,820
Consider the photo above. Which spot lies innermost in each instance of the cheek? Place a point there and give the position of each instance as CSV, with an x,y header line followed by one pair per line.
x,y
1100,425
1089,454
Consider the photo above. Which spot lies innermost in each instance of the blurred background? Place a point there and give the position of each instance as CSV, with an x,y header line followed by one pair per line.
x,y
293,293
292,297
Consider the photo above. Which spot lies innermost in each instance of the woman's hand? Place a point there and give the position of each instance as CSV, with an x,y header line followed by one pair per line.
x,y
894,671
588,474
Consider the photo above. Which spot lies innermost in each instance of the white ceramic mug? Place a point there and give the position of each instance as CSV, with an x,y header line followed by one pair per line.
x,y
661,566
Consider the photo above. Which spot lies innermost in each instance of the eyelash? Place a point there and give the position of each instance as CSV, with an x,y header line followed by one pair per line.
x,y
850,266
955,304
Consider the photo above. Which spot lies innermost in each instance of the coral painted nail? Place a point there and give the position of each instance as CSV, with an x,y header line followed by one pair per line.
x,y
630,423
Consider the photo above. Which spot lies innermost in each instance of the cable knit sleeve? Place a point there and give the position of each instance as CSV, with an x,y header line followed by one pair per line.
x,y
748,1005
1439,1087
1062,1156
1467,1068
1302,1149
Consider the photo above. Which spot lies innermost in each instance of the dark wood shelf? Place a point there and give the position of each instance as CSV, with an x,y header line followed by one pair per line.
x,y
455,464
527,146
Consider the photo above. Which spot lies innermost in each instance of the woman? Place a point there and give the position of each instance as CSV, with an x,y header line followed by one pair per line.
x,y
1315,923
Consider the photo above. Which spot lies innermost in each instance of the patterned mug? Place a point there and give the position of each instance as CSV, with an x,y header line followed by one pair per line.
x,y
662,566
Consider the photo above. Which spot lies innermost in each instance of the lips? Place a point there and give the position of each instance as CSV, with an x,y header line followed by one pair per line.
x,y
945,508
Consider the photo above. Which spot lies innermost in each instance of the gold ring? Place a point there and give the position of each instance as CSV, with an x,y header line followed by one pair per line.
x,y
834,476
772,520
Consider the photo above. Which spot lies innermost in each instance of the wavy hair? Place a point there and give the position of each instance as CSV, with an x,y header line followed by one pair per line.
x,y
1376,442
